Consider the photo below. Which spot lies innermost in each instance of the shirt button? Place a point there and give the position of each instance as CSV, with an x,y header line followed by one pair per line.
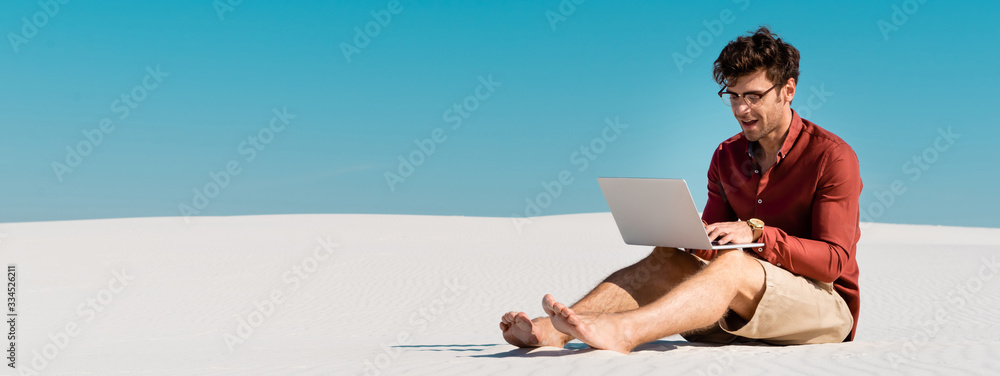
x,y
779,264
759,201
756,171
760,250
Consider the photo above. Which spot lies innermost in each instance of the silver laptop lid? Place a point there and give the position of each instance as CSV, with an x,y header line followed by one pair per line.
x,y
657,212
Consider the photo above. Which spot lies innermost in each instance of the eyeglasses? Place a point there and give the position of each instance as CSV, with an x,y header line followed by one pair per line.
x,y
751,99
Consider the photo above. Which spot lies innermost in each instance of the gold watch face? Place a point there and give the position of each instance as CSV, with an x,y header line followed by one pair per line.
x,y
756,223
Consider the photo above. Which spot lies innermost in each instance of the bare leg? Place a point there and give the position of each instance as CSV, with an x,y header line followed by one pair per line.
x,y
637,285
733,281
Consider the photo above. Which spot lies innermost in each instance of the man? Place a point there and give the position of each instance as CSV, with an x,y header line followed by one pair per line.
x,y
782,181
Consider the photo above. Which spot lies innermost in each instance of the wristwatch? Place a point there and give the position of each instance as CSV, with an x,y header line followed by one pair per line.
x,y
757,226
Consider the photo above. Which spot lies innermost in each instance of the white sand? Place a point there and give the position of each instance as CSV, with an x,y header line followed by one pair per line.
x,y
930,300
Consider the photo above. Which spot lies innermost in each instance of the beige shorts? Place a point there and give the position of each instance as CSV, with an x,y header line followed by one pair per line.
x,y
795,310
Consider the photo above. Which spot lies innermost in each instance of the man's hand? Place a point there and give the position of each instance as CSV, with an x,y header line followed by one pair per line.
x,y
738,232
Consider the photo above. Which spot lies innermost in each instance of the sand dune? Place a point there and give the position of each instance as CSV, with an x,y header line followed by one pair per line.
x,y
422,295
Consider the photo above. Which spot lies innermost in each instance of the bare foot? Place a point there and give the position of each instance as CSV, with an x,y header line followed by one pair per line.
x,y
520,331
599,331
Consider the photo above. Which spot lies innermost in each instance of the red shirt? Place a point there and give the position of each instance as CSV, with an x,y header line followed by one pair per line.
x,y
808,201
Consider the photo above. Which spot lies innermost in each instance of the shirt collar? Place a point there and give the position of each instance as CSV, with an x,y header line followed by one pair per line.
x,y
793,133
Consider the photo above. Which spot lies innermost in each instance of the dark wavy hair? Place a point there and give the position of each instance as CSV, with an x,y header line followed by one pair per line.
x,y
760,50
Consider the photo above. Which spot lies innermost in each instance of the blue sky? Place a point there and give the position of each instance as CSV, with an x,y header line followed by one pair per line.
x,y
534,81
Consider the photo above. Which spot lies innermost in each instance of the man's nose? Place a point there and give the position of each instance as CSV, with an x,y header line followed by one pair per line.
x,y
741,108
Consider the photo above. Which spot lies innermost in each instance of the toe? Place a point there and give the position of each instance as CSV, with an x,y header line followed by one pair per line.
x,y
562,309
508,317
523,324
547,302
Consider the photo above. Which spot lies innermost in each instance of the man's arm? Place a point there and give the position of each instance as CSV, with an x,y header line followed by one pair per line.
x,y
717,208
835,218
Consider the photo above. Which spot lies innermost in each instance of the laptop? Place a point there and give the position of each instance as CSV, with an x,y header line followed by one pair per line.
x,y
658,212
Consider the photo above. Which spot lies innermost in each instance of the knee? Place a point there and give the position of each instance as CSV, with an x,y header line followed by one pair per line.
x,y
671,259
662,255
728,256
663,251
733,258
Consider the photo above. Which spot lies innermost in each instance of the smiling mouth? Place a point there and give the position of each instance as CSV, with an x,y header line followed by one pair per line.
x,y
748,124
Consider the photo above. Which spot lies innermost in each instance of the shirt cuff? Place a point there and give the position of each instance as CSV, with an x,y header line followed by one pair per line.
x,y
766,252
762,250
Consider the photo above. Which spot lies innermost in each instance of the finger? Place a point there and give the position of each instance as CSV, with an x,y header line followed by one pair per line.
x,y
726,239
717,234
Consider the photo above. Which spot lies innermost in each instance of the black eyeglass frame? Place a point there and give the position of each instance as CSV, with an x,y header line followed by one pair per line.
x,y
744,96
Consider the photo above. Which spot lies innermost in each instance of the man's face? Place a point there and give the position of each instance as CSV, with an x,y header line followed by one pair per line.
x,y
767,116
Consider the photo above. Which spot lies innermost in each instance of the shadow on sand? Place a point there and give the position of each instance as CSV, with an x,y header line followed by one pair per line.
x,y
572,348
